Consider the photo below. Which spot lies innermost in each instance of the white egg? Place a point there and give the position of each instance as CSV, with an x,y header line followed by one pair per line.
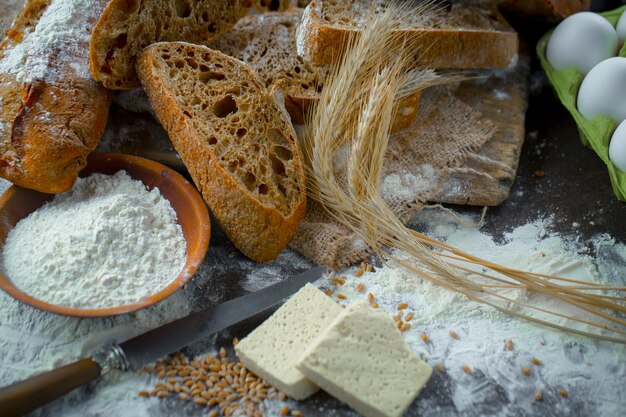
x,y
603,91
621,30
581,41
617,148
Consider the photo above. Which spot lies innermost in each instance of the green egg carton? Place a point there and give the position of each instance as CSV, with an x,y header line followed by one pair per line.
x,y
596,133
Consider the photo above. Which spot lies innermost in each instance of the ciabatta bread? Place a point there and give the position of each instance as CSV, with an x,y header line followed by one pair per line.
x,y
267,43
467,36
235,138
128,26
53,112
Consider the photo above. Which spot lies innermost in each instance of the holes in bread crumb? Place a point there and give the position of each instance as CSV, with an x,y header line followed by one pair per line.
x,y
187,114
179,64
192,63
212,140
263,189
224,107
282,189
297,70
204,16
249,179
232,165
277,166
205,77
212,28
283,153
120,41
130,7
182,8
241,132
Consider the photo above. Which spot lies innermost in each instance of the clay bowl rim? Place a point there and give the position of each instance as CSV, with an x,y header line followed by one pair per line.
x,y
196,247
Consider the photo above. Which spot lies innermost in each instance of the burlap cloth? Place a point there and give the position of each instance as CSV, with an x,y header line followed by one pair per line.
x,y
417,162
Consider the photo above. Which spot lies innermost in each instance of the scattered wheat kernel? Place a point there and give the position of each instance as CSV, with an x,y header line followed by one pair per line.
x,y
358,273
538,396
397,318
360,287
183,396
328,292
536,361
341,297
213,413
375,305
399,324
508,345
235,341
409,317
467,369
369,268
439,367
284,411
405,327
162,394
296,413
144,394
362,265
526,371
424,337
370,297
454,334
563,393
403,306
223,352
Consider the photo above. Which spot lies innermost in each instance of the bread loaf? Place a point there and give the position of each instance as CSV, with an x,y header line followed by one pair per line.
x,y
551,9
53,112
235,138
466,36
127,26
267,43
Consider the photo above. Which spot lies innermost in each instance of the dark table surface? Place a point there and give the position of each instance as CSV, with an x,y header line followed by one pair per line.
x,y
574,188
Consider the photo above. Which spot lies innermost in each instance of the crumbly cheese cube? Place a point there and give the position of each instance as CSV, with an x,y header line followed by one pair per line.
x,y
362,360
273,349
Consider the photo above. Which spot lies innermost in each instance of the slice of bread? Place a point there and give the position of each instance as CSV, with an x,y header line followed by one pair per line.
x,y
466,36
551,9
52,113
267,43
127,26
235,138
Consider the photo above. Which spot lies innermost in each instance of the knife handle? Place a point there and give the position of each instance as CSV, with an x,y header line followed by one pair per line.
x,y
25,396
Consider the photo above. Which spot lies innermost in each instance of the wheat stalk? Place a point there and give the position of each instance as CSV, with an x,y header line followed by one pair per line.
x,y
356,109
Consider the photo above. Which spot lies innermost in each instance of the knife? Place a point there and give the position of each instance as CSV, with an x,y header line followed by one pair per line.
x,y
25,396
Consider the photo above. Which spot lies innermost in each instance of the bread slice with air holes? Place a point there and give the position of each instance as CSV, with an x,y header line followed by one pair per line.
x,y
267,42
127,26
235,138
465,36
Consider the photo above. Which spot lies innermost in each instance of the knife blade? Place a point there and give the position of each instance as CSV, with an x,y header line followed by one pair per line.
x,y
150,346
24,396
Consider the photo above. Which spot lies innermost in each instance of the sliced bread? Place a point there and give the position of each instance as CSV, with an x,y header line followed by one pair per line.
x,y
467,35
267,43
127,26
235,138
551,9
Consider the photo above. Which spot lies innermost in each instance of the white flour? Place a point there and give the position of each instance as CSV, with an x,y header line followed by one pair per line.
x,y
592,372
107,242
59,43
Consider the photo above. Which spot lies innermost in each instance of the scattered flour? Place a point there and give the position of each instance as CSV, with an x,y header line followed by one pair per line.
x,y
59,43
107,242
593,372
406,185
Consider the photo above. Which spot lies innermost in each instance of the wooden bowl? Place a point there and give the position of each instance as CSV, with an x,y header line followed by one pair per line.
x,y
17,203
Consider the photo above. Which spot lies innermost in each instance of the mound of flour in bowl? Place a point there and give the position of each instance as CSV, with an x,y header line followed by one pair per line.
x,y
107,242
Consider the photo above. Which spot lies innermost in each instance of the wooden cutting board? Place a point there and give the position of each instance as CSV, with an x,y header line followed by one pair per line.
x,y
487,176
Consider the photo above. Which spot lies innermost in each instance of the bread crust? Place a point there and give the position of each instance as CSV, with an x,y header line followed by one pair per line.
x,y
127,26
448,48
48,127
260,231
551,9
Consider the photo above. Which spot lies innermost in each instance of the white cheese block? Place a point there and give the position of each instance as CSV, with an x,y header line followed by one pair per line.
x,y
362,360
273,349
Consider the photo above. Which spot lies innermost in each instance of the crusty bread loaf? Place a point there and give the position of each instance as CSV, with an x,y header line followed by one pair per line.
x,y
52,112
551,9
128,26
267,43
272,5
235,138
466,36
